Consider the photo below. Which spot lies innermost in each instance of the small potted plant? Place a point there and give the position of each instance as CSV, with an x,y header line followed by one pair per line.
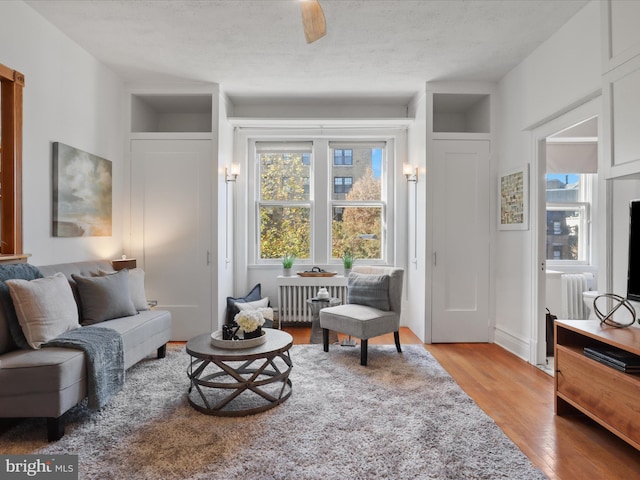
x,y
347,262
287,264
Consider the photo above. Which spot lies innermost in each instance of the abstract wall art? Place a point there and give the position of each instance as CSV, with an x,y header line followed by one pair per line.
x,y
82,190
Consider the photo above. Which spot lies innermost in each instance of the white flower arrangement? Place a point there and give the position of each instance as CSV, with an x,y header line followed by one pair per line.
x,y
267,313
249,320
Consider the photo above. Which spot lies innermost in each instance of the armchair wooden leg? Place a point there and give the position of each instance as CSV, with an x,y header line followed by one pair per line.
x,y
325,339
162,351
396,337
364,343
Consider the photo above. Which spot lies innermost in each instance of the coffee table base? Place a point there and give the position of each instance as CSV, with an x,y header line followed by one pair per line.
x,y
239,388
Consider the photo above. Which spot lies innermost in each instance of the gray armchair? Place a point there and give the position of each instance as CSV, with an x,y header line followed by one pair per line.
x,y
374,300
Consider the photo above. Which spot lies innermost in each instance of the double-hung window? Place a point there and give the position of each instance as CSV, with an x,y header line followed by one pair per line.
x,y
342,185
570,182
284,199
320,199
343,156
358,201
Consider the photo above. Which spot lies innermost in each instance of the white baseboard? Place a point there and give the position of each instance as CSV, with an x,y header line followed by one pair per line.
x,y
515,344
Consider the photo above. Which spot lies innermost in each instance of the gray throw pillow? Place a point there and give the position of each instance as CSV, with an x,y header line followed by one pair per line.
x,y
232,309
104,298
136,287
45,307
370,290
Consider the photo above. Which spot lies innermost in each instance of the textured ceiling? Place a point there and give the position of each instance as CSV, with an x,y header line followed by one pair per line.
x,y
256,48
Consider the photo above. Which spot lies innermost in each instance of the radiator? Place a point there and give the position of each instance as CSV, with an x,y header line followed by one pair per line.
x,y
573,284
293,293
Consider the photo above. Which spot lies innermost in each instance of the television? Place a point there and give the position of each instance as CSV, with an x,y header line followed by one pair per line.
x,y
633,269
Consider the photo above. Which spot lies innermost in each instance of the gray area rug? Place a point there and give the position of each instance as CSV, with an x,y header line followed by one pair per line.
x,y
402,417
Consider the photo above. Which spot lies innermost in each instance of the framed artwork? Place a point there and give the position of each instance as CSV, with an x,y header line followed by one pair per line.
x,y
513,191
82,190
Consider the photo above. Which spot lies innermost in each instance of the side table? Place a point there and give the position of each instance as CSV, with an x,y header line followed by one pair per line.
x,y
316,304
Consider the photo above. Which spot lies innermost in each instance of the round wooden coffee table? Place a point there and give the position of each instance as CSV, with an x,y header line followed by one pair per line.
x,y
239,382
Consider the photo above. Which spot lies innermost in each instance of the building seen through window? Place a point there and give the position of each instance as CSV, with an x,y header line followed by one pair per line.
x,y
568,210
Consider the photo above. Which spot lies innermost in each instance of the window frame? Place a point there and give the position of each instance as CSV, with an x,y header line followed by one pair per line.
x,y
260,203
344,203
11,91
321,188
585,201
584,234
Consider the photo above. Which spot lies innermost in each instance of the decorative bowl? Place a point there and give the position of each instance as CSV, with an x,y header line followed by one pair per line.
x,y
317,274
218,342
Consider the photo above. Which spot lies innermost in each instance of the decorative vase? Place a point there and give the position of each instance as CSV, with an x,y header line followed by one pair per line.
x,y
323,294
347,271
229,331
286,272
255,334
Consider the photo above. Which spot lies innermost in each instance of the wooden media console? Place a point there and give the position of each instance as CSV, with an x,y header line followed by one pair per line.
x,y
608,396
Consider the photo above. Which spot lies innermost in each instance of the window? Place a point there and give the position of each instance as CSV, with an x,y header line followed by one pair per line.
x,y
568,217
318,209
357,205
284,208
342,184
343,156
572,166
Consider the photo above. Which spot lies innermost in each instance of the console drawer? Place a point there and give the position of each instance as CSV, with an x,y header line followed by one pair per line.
x,y
605,394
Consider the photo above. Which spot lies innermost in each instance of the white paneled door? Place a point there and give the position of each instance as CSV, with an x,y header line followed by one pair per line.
x,y
461,229
171,228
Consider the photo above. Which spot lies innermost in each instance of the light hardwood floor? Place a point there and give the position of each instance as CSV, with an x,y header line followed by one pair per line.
x,y
519,398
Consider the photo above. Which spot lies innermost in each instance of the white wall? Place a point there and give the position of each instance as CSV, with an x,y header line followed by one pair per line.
x,y
69,97
561,73
226,212
418,291
320,108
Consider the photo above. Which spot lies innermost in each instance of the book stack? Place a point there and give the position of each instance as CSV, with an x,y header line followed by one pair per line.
x,y
618,359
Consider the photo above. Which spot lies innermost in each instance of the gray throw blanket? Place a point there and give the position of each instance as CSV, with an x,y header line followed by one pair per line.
x,y
105,360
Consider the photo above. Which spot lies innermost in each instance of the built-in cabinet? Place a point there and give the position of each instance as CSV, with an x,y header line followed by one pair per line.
x,y
171,196
459,212
621,87
461,113
171,113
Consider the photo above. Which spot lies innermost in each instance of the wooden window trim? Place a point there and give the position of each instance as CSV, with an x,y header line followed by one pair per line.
x,y
11,89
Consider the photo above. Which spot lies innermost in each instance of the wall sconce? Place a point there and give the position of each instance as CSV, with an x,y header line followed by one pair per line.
x,y
410,172
231,174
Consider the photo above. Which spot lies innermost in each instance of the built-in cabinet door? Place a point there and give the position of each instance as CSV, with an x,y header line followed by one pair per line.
x,y
461,229
171,228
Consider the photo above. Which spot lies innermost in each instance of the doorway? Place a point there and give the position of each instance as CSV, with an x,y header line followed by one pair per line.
x,y
565,218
